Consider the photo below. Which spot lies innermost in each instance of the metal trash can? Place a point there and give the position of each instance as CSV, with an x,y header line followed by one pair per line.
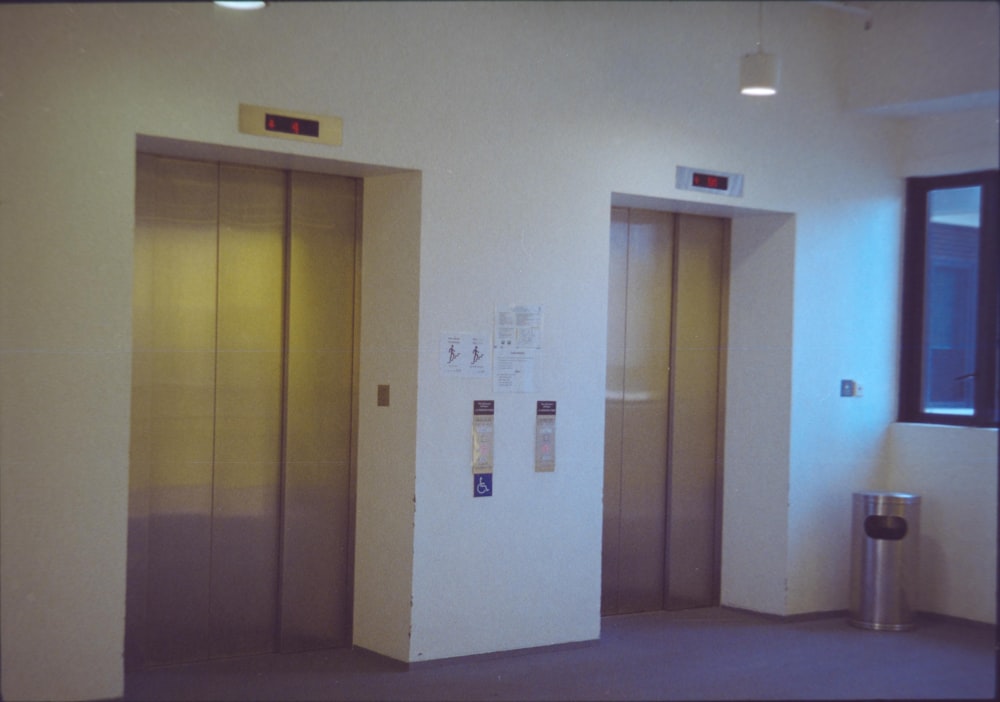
x,y
885,551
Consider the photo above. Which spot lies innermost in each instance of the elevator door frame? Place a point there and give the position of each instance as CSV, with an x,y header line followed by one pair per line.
x,y
635,203
135,653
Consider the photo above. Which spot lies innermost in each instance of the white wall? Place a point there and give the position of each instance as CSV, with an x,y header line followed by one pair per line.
x,y
845,321
521,119
758,414
921,56
930,56
954,470
934,68
385,494
950,142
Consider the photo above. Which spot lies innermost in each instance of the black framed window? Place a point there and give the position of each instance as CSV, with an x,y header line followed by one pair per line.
x,y
949,354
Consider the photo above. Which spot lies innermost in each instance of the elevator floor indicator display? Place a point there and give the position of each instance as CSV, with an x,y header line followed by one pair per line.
x,y
715,182
286,124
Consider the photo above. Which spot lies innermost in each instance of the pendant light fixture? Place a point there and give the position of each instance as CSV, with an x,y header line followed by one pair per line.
x,y
759,71
242,4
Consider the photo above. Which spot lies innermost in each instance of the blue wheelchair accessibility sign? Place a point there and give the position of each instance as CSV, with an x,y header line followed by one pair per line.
x,y
482,485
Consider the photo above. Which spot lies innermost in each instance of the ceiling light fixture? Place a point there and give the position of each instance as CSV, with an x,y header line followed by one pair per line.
x,y
759,71
241,4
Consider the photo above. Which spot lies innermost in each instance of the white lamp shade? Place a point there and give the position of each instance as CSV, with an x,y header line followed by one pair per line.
x,y
241,4
759,73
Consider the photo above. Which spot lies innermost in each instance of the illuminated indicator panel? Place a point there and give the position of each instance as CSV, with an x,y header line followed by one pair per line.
x,y
707,180
286,124
291,125
716,182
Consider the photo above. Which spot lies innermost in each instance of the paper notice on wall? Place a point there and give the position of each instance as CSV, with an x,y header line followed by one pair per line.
x,y
516,371
517,349
462,355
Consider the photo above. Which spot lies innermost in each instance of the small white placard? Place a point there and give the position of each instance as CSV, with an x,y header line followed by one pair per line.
x,y
464,355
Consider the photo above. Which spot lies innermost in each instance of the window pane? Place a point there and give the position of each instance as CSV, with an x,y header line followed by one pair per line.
x,y
952,280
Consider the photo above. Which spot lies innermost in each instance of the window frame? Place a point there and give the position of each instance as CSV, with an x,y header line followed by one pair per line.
x,y
985,380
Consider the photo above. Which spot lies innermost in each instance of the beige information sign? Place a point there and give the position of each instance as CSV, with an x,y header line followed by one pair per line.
x,y
482,436
545,436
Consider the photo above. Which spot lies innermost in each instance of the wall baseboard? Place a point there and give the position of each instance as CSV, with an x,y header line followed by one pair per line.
x,y
404,666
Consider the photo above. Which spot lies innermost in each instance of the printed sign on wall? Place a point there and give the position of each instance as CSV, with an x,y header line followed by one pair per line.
x,y
517,340
464,355
482,485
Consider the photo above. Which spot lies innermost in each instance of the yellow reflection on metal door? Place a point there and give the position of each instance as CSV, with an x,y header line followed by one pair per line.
x,y
243,338
665,355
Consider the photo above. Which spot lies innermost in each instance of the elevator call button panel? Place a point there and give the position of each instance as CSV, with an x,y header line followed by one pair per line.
x,y
545,436
482,436
482,448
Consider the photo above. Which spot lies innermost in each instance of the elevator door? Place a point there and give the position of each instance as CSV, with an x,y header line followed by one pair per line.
x,y
240,457
662,427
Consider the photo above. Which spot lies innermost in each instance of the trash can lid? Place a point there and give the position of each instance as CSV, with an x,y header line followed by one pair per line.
x,y
885,496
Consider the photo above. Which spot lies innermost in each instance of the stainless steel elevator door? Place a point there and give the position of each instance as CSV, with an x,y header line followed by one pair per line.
x,y
315,590
240,457
665,346
248,404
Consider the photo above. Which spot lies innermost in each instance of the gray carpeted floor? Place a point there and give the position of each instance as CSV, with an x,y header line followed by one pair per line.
x,y
704,654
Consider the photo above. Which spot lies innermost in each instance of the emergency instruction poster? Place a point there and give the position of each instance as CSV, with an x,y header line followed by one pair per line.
x,y
463,355
517,348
